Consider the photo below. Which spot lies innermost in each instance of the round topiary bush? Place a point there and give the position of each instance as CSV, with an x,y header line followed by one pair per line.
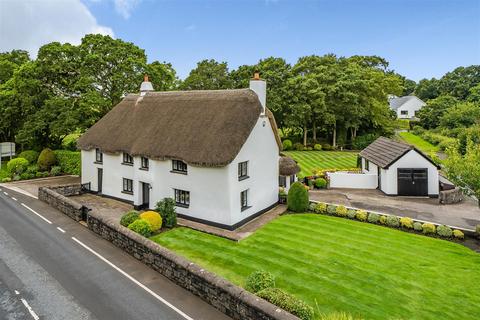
x,y
17,166
30,155
428,228
259,280
129,217
153,218
297,199
331,209
373,217
444,231
361,215
406,222
287,145
383,220
298,146
351,213
317,147
46,160
393,222
287,302
141,227
457,234
327,147
417,226
320,183
341,211
320,208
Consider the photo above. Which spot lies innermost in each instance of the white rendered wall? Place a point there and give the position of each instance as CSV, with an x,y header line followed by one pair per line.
x,y
353,180
372,167
410,106
410,160
89,169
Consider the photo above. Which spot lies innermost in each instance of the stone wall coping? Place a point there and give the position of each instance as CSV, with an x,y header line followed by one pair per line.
x,y
54,194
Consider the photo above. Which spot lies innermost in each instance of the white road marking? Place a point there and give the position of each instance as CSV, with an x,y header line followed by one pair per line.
x,y
38,214
5,193
13,198
32,313
61,230
156,296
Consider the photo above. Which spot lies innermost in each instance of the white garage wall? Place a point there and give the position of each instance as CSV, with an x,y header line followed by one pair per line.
x,y
353,180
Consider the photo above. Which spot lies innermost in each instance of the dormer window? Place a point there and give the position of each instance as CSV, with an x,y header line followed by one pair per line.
x,y
179,166
144,163
98,156
127,159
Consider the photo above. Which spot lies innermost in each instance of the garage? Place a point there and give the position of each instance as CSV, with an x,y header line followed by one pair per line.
x,y
412,182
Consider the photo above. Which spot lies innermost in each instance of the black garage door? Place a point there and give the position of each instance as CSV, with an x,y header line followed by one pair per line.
x,y
412,182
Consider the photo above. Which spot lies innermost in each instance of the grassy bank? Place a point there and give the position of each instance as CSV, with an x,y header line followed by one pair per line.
x,y
418,142
309,161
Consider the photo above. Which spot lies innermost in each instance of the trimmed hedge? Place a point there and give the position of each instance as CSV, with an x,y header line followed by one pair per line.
x,y
428,228
287,302
69,161
444,231
46,160
287,145
361,215
153,218
30,155
457,234
320,183
129,217
297,199
141,227
393,222
417,226
259,280
341,211
17,166
320,208
351,213
406,222
373,217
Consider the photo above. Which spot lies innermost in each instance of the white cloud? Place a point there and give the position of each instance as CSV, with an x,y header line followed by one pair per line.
x,y
125,7
30,24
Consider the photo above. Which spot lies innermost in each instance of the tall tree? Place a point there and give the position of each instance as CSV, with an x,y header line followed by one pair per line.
x,y
431,114
11,61
208,75
162,76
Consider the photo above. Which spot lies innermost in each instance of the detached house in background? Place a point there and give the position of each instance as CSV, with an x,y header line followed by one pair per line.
x,y
406,107
215,152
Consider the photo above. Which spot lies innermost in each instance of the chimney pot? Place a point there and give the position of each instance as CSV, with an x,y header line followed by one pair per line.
x,y
256,75
145,78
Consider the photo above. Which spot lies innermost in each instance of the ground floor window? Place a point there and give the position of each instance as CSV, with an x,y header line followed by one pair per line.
x,y
182,198
127,185
282,181
244,199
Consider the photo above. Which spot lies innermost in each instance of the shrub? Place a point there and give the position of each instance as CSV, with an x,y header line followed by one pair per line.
x,y
373,217
17,166
259,280
297,199
32,169
457,234
56,171
30,155
317,147
16,178
341,211
26,176
444,231
361,215
287,145
40,174
70,141
321,208
287,302
428,228
406,222
166,208
298,146
351,213
327,147
320,183
361,142
153,218
331,209
69,161
129,217
393,221
7,179
310,183
417,226
141,227
46,160
383,220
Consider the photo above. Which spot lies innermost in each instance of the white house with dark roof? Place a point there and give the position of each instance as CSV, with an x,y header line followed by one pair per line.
x,y
215,152
393,167
406,107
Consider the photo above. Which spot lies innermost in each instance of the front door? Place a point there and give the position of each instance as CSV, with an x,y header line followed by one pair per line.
x,y
145,195
412,182
100,180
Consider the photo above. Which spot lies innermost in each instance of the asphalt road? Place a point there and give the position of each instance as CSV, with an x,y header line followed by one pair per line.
x,y
53,268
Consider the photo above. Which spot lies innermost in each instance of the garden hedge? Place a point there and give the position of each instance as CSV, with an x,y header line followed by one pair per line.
x,y
297,199
69,161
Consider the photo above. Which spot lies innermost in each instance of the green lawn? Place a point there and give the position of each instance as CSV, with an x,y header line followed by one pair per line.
x,y
418,142
311,160
343,265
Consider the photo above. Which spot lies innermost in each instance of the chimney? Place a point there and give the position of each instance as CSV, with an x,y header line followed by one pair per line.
x,y
146,86
259,86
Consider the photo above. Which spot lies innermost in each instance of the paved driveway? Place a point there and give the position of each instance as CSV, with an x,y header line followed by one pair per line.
x,y
30,187
465,214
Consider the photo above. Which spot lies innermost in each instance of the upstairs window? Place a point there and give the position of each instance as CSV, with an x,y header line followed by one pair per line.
x,y
98,156
179,166
127,159
242,170
144,163
244,199
404,112
182,198
127,186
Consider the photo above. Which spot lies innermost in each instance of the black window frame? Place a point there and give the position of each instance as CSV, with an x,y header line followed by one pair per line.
x,y
98,156
178,166
144,163
292,179
244,200
182,198
367,165
282,181
127,186
404,112
127,159
243,170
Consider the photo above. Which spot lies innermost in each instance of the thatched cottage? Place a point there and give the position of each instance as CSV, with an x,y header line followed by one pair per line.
x,y
215,152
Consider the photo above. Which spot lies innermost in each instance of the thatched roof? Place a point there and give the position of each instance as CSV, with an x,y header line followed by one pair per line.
x,y
287,166
205,128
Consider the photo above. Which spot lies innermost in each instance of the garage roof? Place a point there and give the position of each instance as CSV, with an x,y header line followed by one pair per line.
x,y
384,152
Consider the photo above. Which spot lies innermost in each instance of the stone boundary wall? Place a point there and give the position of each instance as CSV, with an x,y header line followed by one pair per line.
x,y
223,295
57,198
450,196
